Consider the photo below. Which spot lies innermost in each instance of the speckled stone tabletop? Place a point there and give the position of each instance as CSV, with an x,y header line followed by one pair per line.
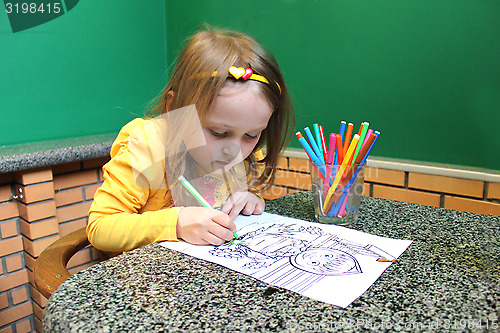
x,y
42,154
447,280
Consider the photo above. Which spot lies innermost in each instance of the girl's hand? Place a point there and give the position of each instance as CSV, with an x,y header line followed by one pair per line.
x,y
203,226
245,203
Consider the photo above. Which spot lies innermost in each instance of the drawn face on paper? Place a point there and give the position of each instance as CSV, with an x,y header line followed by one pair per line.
x,y
326,262
233,127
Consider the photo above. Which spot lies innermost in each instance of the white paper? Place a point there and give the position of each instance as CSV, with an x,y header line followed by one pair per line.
x,y
328,263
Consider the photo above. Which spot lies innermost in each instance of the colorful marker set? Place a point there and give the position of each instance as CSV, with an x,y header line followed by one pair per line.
x,y
338,164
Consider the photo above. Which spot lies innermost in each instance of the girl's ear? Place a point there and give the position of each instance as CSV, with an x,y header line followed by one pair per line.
x,y
169,99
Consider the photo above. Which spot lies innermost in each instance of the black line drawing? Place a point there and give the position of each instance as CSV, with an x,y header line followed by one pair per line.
x,y
294,256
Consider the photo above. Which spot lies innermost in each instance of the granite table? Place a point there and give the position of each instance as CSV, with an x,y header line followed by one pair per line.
x,y
447,280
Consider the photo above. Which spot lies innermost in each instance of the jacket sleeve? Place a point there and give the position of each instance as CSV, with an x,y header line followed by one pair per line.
x,y
117,221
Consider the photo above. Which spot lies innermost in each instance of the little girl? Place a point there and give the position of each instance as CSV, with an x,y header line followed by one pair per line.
x,y
241,104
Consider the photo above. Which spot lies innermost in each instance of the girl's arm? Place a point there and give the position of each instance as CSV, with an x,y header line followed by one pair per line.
x,y
127,209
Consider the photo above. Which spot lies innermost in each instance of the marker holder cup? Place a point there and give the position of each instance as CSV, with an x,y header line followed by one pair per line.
x,y
343,203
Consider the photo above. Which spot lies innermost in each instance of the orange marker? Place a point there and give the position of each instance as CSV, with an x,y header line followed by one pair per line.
x,y
347,139
340,151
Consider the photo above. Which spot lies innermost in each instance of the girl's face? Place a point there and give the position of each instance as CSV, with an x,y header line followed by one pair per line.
x,y
233,127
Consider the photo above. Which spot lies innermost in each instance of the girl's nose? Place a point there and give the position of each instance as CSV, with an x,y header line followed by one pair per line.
x,y
231,150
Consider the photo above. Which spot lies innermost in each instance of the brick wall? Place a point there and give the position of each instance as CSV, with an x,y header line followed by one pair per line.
x,y
470,195
39,206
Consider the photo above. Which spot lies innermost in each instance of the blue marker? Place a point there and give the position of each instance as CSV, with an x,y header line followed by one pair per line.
x,y
314,146
318,136
311,153
336,208
342,129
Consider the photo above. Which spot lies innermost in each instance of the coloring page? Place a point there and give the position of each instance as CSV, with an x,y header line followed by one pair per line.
x,y
328,263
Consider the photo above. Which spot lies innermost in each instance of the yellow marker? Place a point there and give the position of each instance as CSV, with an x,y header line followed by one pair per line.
x,y
341,170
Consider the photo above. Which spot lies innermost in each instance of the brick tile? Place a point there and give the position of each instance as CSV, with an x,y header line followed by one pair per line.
x,y
69,227
35,192
29,261
274,192
24,326
73,212
493,191
37,211
19,295
95,163
467,187
75,270
31,277
28,177
35,247
7,329
10,245
14,262
70,196
8,210
101,175
38,229
366,190
66,168
5,193
15,313
293,179
38,324
299,164
1,268
80,258
37,297
400,194
385,176
6,178
75,179
471,205
282,163
37,311
90,191
12,280
4,302
8,229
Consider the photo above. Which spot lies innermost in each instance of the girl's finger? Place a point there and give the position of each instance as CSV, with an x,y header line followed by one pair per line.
x,y
212,239
221,232
249,208
224,221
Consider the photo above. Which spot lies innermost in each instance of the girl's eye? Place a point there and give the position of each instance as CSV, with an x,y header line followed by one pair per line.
x,y
251,137
218,134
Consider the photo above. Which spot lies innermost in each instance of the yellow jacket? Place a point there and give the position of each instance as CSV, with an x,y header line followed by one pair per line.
x,y
126,214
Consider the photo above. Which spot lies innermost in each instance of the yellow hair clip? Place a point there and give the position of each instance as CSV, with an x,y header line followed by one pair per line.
x,y
247,74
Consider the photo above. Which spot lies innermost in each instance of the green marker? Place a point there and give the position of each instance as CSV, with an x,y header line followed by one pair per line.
x,y
194,192
361,140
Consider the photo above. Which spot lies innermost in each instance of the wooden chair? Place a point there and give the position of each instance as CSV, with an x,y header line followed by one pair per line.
x,y
50,267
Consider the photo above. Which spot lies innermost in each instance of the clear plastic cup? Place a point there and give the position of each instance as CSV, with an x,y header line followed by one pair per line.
x,y
337,191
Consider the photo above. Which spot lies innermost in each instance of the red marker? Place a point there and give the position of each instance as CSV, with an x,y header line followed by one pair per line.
x,y
323,143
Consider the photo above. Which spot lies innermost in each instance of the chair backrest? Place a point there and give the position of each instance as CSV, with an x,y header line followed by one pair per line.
x,y
50,267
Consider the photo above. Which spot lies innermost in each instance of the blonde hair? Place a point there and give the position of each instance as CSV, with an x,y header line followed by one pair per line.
x,y
192,82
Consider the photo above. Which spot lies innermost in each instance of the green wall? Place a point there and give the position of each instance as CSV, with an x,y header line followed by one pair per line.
x,y
85,73
425,73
